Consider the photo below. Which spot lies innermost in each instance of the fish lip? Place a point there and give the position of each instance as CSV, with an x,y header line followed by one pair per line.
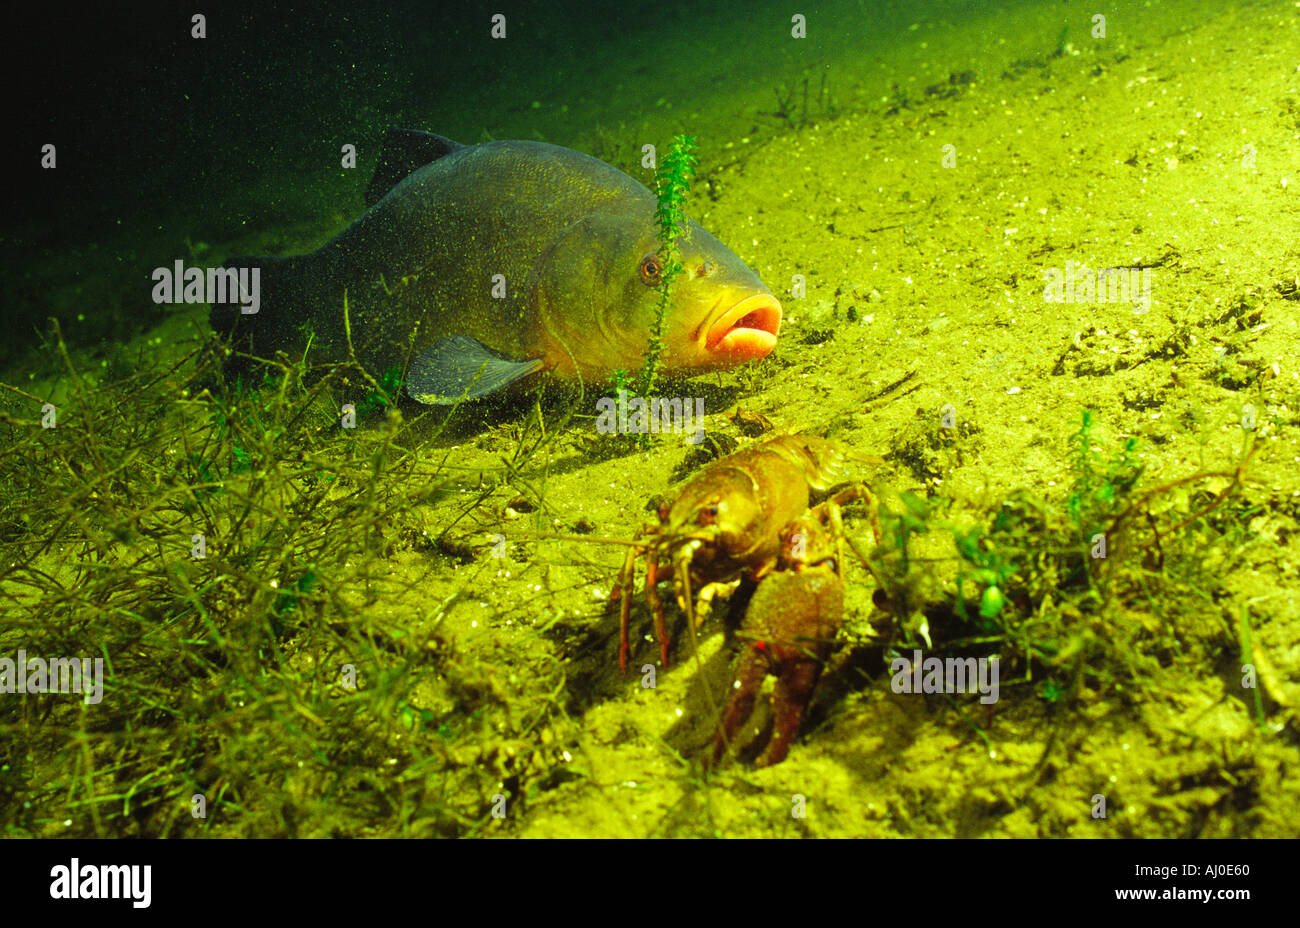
x,y
760,336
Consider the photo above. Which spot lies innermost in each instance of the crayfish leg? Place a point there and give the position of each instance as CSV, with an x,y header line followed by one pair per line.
x,y
656,605
623,591
793,691
740,702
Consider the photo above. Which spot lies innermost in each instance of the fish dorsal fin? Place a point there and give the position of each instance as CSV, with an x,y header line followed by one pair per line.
x,y
405,151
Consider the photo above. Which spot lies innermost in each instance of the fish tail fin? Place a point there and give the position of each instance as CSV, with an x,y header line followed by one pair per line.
x,y
265,310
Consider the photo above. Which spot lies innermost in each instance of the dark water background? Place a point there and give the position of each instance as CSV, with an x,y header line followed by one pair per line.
x,y
166,142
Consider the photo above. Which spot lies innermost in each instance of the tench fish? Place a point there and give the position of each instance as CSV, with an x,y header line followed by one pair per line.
x,y
475,266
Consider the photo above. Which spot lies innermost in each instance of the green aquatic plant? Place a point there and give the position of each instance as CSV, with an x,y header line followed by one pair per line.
x,y
1072,593
383,394
1099,490
1062,42
992,568
672,183
1010,553
1050,691
290,595
785,99
902,523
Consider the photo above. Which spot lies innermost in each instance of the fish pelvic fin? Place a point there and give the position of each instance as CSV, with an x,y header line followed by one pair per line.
x,y
405,151
458,367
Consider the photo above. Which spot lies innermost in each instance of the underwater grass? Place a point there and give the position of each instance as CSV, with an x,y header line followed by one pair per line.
x,y
222,549
1077,595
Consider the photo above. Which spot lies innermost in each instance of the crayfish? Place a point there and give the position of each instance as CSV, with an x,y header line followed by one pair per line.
x,y
746,517
789,631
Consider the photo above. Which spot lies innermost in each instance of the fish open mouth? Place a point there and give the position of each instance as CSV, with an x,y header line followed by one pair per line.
x,y
746,331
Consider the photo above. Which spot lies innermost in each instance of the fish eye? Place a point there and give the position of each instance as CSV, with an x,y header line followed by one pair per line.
x,y
651,270
705,269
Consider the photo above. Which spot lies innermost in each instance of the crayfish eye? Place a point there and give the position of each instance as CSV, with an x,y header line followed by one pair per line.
x,y
651,270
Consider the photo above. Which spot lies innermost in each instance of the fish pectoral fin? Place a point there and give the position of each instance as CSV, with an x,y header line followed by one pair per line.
x,y
404,152
458,367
